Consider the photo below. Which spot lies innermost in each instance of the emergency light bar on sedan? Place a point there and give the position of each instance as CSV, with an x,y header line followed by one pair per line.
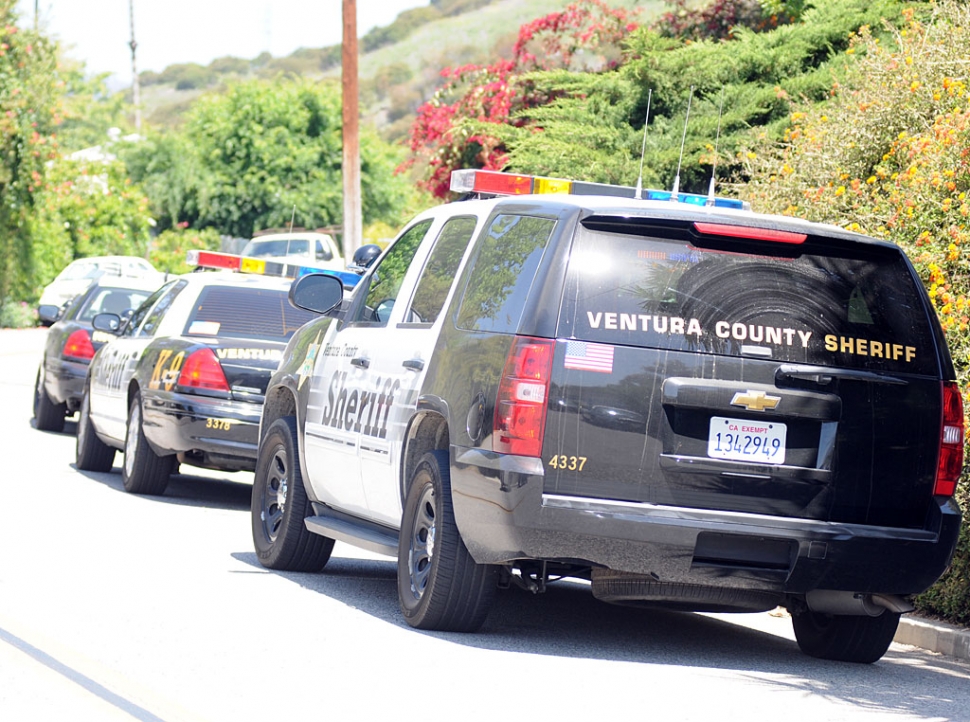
x,y
490,182
244,264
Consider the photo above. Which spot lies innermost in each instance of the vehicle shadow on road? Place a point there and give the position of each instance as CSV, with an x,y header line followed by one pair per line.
x,y
567,621
185,490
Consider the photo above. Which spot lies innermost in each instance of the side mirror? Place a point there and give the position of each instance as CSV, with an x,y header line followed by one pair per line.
x,y
317,292
48,314
110,322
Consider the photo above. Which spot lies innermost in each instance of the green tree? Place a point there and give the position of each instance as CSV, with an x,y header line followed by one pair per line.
x,y
29,110
260,155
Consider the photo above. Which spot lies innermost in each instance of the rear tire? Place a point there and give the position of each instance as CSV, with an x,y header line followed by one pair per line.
x,y
91,454
144,471
439,585
845,638
280,505
48,416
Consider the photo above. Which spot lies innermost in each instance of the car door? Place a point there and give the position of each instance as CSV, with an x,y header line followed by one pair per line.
x,y
353,389
400,354
116,362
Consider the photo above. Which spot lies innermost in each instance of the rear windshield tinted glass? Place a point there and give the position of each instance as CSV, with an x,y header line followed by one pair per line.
x,y
255,313
862,312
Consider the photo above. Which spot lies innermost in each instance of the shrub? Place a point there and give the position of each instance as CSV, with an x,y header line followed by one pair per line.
x,y
888,155
17,315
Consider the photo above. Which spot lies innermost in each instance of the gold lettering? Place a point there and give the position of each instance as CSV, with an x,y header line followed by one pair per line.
x,y
831,343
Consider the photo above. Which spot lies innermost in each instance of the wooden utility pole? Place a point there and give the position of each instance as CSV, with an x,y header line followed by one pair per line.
x,y
353,217
135,86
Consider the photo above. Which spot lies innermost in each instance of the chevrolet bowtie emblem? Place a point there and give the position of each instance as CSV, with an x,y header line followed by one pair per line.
x,y
755,400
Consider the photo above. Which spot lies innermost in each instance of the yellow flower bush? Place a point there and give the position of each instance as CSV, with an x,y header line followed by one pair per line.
x,y
888,155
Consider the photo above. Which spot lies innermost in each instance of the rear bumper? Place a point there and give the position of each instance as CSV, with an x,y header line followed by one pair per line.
x,y
220,433
504,516
64,381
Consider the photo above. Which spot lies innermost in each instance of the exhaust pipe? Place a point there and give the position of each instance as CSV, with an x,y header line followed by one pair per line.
x,y
828,601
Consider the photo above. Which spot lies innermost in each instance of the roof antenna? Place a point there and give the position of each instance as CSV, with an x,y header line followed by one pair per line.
x,y
717,138
643,149
292,217
675,193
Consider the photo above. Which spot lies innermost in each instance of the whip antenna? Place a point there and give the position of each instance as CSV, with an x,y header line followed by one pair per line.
x,y
676,191
643,148
717,138
292,217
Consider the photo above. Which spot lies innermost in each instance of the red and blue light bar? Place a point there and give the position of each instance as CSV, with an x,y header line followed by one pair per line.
x,y
490,182
245,264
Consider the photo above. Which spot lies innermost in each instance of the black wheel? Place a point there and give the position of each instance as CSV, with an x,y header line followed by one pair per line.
x,y
280,505
845,638
91,454
48,416
439,585
144,471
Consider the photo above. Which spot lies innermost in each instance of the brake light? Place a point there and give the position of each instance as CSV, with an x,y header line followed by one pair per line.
x,y
756,234
78,346
951,442
520,408
202,370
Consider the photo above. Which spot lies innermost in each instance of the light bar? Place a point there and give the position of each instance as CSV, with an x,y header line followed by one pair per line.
x,y
496,183
755,234
257,266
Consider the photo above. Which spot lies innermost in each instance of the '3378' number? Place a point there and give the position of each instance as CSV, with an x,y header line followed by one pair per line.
x,y
567,463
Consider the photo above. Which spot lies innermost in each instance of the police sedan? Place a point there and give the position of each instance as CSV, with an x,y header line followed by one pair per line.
x,y
72,342
183,381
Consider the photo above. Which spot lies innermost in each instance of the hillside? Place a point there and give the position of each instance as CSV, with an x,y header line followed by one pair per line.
x,y
400,64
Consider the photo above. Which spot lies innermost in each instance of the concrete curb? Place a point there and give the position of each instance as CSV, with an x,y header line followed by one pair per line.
x,y
934,636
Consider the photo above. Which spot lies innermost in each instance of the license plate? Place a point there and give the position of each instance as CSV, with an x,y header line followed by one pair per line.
x,y
747,440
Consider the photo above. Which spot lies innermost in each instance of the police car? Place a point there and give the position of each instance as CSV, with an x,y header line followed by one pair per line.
x,y
71,343
679,400
184,378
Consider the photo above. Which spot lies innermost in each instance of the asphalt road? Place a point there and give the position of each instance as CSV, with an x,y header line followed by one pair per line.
x,y
118,607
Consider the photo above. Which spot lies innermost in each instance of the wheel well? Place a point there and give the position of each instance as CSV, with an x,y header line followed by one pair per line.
x,y
279,402
132,390
428,432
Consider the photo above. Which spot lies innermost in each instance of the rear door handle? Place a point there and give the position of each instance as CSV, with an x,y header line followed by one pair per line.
x,y
414,364
360,362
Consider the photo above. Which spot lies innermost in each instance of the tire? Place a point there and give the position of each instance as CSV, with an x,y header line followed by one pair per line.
x,y
280,505
440,586
48,416
91,454
144,471
845,638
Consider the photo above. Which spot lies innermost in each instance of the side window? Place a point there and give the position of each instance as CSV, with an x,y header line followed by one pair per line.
x,y
323,254
502,272
135,322
385,280
155,314
439,272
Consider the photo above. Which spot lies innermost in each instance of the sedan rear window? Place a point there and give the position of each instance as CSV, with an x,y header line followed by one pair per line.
x,y
253,313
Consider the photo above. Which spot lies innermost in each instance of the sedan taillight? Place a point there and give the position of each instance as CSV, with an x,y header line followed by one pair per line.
x,y
202,370
951,442
78,346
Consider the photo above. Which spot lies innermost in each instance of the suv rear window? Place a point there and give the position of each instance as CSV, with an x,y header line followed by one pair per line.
x,y
858,307
268,314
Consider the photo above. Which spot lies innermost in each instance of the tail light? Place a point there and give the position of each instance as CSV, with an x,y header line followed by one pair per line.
x,y
78,346
520,409
951,442
202,370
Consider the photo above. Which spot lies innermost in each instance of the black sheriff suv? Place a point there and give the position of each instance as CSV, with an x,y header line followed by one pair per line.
x,y
683,402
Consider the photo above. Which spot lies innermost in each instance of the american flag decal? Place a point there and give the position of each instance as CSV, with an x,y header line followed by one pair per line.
x,y
589,357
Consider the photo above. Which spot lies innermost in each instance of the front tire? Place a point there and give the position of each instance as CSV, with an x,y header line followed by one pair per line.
x,y
144,471
48,416
91,454
439,585
845,638
280,505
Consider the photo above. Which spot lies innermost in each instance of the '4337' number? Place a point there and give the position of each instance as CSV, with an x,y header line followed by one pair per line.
x,y
568,463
